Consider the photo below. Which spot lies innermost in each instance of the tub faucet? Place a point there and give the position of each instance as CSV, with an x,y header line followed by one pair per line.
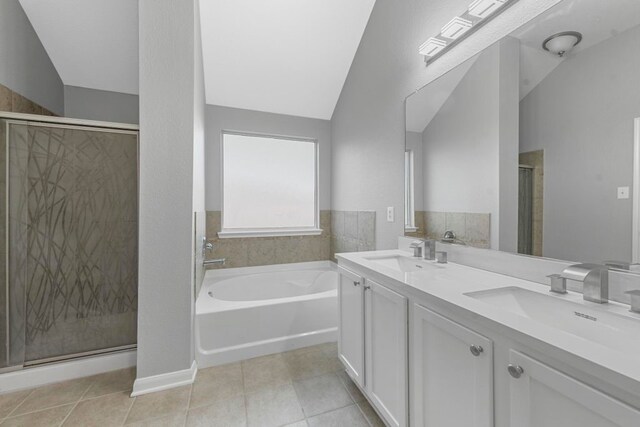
x,y
595,279
220,261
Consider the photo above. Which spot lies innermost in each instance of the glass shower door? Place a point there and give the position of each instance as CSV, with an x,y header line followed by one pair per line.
x,y
72,240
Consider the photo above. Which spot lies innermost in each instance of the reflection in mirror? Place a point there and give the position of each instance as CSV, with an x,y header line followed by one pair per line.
x,y
528,146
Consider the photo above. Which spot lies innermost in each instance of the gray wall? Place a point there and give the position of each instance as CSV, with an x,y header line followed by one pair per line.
x,y
582,116
25,66
168,126
94,104
368,125
461,170
224,118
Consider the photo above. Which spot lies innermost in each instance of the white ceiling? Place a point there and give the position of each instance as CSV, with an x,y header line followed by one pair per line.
x,y
280,56
597,20
92,43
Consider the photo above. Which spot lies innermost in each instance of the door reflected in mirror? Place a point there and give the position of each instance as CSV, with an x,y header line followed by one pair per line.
x,y
529,147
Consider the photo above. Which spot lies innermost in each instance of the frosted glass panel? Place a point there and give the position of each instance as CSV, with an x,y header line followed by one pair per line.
x,y
268,182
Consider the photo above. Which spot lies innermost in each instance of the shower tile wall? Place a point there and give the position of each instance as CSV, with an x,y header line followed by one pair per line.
x,y
472,228
75,194
16,103
254,251
352,231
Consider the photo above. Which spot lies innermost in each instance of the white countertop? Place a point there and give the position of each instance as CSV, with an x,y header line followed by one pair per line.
x,y
449,282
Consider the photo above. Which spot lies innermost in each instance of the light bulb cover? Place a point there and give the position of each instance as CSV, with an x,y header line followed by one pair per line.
x,y
561,43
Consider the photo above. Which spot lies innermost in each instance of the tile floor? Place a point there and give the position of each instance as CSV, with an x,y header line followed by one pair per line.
x,y
305,387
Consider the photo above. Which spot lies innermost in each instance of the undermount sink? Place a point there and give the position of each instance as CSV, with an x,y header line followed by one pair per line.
x,y
399,263
591,323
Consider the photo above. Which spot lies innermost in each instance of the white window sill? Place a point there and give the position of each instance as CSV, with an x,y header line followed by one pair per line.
x,y
228,234
410,229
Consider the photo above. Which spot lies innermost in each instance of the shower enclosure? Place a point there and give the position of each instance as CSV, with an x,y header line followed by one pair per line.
x,y
69,224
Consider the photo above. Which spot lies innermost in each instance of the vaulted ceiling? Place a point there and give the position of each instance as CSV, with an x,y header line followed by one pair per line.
x,y
280,56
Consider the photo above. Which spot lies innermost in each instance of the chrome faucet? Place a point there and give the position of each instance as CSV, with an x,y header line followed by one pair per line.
x,y
595,279
417,246
426,248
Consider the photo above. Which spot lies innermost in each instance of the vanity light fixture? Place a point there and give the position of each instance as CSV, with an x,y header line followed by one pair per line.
x,y
477,14
432,46
483,8
456,27
562,43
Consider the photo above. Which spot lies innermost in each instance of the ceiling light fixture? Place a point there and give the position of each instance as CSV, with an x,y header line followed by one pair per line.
x,y
562,43
460,27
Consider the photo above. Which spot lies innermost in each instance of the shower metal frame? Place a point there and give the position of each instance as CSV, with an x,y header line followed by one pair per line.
x,y
78,124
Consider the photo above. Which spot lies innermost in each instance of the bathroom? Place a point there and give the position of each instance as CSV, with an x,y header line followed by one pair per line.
x,y
320,213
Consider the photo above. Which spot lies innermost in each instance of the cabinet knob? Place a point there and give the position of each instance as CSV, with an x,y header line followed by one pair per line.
x,y
515,371
356,283
476,350
366,288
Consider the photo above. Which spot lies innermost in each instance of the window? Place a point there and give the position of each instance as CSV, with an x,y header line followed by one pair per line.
x,y
409,189
270,186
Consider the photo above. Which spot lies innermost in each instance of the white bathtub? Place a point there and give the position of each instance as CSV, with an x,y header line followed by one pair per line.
x,y
253,311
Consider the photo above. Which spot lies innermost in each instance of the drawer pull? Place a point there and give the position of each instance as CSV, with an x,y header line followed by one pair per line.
x,y
515,371
476,350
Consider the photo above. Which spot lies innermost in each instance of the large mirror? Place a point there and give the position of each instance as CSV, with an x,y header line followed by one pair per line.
x,y
529,146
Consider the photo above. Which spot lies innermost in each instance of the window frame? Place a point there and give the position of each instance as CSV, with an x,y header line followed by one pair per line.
x,y
271,231
409,192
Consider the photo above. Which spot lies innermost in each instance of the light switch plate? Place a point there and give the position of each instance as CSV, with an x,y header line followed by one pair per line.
x,y
623,192
390,214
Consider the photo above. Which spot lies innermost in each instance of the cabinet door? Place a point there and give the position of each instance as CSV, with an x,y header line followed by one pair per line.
x,y
451,373
386,326
351,324
541,396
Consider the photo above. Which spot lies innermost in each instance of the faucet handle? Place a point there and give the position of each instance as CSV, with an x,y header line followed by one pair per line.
x,y
558,283
635,300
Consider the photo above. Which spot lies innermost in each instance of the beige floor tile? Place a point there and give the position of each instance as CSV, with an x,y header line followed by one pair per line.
x,y
310,363
104,411
48,417
302,423
159,404
175,419
352,389
349,416
111,382
330,348
266,371
223,413
9,402
273,406
370,414
321,394
54,395
217,383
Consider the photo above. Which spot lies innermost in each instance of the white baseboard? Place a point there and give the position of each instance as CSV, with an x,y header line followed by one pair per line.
x,y
56,372
165,381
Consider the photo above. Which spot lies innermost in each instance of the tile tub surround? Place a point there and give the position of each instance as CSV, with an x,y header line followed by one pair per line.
x,y
472,228
16,103
302,387
254,251
352,231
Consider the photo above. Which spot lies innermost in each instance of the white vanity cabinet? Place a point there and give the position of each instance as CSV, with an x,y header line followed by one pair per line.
x,y
541,396
372,343
386,352
351,324
451,373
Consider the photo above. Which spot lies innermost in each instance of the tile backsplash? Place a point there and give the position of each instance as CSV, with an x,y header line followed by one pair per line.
x,y
14,102
254,251
352,231
474,229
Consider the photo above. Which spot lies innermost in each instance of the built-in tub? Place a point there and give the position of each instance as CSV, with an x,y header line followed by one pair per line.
x,y
253,311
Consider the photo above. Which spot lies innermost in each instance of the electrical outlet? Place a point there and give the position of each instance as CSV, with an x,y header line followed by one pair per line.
x,y
623,192
390,214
